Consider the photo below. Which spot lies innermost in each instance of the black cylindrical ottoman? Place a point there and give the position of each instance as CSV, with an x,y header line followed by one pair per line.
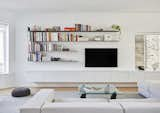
x,y
21,92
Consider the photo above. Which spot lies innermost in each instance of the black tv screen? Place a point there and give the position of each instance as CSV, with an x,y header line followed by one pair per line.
x,y
101,57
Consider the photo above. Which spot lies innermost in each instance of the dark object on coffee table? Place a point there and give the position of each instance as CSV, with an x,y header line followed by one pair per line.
x,y
83,96
21,92
114,95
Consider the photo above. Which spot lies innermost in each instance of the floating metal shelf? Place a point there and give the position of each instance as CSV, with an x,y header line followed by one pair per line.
x,y
77,31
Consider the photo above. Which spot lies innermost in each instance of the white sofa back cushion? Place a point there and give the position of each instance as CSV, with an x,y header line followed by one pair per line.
x,y
82,107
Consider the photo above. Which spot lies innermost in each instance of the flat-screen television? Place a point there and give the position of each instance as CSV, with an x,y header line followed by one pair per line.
x,y
101,57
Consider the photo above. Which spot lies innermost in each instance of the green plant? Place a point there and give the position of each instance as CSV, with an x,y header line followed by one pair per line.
x,y
116,27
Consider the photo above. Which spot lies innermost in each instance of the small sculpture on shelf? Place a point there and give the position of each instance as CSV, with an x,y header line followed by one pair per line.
x,y
116,27
100,29
55,58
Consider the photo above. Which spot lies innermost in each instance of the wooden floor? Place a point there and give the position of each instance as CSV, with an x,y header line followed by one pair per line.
x,y
34,90
126,89
6,91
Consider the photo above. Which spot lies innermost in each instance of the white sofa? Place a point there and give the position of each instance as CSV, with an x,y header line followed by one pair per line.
x,y
149,88
44,102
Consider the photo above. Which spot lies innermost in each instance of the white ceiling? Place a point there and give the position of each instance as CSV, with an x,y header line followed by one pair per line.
x,y
80,5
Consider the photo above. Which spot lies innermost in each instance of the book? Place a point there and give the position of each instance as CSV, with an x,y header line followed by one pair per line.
x,y
54,37
44,36
69,29
77,27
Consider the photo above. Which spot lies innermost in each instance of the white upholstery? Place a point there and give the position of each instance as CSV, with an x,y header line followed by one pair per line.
x,y
143,88
43,102
149,105
149,88
34,104
155,89
141,107
82,107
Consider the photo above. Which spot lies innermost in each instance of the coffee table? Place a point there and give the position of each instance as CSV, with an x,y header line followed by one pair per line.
x,y
103,90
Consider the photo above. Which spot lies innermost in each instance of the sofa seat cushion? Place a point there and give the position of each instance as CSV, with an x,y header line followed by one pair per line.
x,y
67,100
141,107
82,107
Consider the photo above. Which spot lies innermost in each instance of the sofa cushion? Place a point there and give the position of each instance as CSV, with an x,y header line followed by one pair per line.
x,y
143,88
149,88
81,107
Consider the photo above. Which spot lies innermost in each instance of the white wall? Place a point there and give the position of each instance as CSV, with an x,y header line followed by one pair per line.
x,y
7,80
131,23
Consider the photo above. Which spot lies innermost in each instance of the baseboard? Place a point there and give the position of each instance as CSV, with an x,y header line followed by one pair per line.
x,y
71,84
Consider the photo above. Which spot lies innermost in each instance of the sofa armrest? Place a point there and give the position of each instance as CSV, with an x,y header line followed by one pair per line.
x,y
35,104
30,107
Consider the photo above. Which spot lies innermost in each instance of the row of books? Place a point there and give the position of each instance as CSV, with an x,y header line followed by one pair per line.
x,y
81,27
35,57
43,36
45,47
53,37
